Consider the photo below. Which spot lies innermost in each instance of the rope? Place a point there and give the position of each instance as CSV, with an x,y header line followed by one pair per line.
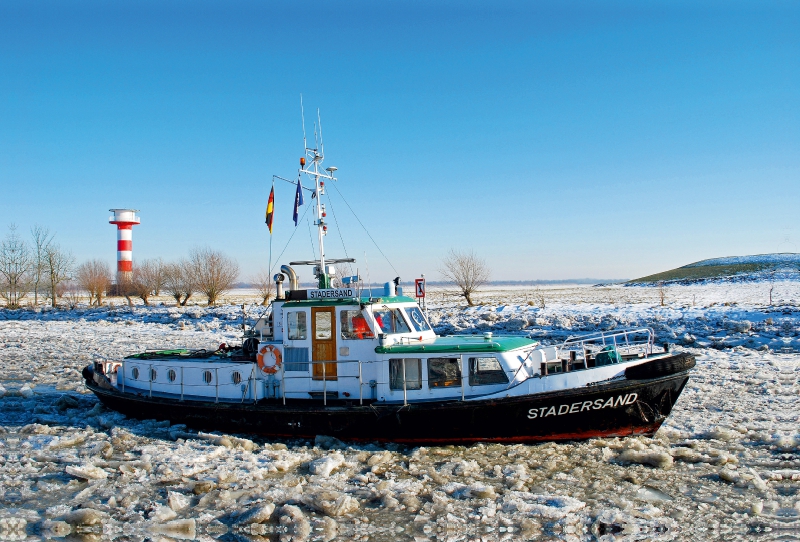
x,y
339,230
365,230
290,240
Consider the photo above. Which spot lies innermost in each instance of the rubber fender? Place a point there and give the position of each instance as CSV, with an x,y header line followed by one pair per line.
x,y
661,367
88,373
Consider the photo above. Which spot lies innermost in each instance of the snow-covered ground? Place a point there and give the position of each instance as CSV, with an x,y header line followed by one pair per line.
x,y
725,466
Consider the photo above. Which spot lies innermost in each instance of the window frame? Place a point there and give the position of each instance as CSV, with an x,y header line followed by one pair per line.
x,y
492,376
413,322
369,334
396,364
395,311
305,330
435,382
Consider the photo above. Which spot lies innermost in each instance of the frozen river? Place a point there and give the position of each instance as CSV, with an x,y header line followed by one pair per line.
x,y
725,466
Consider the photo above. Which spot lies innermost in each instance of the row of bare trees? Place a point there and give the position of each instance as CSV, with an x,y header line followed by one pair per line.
x,y
206,271
38,268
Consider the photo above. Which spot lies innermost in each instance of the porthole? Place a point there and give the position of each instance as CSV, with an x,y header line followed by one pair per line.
x,y
171,375
135,373
153,375
207,377
236,377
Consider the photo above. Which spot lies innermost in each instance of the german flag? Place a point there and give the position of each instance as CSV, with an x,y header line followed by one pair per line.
x,y
271,209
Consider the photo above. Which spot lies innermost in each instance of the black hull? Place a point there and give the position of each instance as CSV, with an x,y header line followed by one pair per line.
x,y
612,409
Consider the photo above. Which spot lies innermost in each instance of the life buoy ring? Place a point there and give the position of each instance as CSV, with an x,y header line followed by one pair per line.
x,y
269,359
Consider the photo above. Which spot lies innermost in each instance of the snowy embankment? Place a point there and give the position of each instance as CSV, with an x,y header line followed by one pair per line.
x,y
724,466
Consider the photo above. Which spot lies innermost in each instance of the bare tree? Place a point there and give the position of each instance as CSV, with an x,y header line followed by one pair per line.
x,y
265,286
42,238
466,270
15,268
71,291
213,272
94,277
178,281
59,265
662,294
148,279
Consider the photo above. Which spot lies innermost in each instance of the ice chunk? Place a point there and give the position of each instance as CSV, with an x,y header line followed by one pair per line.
x,y
85,516
329,443
163,513
331,503
87,472
26,391
657,458
257,514
181,529
324,466
55,529
177,501
293,518
652,494
547,506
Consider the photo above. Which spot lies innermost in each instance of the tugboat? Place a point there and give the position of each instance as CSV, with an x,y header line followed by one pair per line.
x,y
363,364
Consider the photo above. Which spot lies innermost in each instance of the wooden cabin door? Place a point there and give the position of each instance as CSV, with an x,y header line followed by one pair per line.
x,y
323,342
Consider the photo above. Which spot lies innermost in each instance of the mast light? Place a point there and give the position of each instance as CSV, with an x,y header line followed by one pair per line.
x,y
302,162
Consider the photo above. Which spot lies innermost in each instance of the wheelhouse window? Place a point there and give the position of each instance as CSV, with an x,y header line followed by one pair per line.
x,y
297,326
444,372
323,328
391,321
486,371
417,319
413,374
354,325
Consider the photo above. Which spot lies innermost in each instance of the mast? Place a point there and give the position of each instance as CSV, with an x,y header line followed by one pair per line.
x,y
312,169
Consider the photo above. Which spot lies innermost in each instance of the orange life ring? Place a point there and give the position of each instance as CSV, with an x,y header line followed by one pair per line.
x,y
269,351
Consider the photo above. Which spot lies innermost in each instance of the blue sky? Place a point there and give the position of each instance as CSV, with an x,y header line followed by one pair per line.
x,y
556,139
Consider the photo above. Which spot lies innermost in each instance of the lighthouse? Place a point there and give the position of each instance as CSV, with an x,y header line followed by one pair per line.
x,y
125,220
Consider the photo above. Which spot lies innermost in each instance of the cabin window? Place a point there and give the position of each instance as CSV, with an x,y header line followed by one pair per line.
x,y
153,375
413,374
295,359
171,376
324,325
354,325
417,319
207,378
391,321
296,323
486,371
135,373
236,377
444,372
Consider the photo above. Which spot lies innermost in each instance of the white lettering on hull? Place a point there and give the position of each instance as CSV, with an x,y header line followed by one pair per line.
x,y
574,408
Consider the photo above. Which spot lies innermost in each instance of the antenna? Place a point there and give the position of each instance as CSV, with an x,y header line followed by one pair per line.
x,y
303,117
316,140
321,144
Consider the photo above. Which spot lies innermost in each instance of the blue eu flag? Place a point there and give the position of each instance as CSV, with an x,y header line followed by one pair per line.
x,y
298,201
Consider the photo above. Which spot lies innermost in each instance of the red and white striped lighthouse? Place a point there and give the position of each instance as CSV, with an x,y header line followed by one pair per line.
x,y
125,219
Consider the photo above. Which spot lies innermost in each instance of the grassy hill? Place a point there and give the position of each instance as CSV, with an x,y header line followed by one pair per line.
x,y
757,266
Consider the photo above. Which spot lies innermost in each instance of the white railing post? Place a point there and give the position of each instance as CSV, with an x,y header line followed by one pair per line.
x,y
463,372
150,378
181,382
253,382
405,395
123,376
283,384
324,386
216,385
360,385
